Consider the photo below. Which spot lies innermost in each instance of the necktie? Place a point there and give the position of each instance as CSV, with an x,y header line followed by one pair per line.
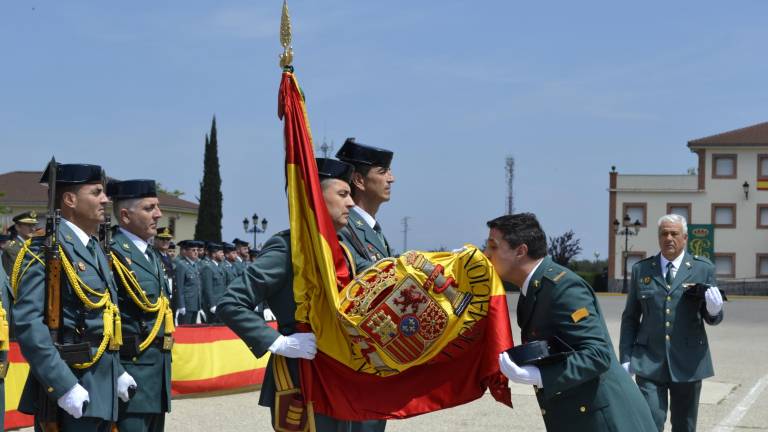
x,y
91,246
670,276
377,229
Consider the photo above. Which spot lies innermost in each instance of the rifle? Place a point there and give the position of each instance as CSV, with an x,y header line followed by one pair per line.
x,y
105,232
48,417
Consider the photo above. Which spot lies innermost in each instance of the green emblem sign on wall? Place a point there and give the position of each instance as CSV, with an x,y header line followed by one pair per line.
x,y
701,240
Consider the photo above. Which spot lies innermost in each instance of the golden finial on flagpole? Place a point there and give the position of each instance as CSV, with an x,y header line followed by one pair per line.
x,y
286,58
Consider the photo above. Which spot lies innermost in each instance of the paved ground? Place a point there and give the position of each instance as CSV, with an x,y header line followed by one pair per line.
x,y
736,399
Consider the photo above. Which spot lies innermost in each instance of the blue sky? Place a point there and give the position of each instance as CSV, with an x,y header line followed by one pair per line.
x,y
453,87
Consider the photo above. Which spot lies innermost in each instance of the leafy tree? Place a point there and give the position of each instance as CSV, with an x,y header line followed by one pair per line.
x,y
177,193
208,226
563,248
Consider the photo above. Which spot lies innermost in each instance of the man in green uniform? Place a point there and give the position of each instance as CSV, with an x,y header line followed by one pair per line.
x,y
188,280
213,280
371,187
270,278
162,243
663,340
230,257
587,390
81,370
23,226
4,340
143,301
242,257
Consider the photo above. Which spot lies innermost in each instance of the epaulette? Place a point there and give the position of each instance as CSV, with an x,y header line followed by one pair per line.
x,y
702,259
555,273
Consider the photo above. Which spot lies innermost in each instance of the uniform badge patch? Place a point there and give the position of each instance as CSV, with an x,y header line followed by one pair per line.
x,y
81,266
647,280
580,314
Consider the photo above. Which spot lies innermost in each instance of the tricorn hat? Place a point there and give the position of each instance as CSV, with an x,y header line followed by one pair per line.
x,y
131,189
75,174
540,352
334,169
358,153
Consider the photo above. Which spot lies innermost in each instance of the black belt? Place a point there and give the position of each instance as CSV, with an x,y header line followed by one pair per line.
x,y
130,347
73,338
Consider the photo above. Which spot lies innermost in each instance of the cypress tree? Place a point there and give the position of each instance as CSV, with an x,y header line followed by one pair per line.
x,y
208,226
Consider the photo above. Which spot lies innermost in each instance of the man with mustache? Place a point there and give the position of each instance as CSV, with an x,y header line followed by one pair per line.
x,y
663,340
143,300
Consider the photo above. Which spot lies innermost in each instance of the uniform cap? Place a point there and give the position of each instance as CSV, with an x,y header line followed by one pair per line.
x,y
131,189
334,169
75,174
164,233
29,217
358,153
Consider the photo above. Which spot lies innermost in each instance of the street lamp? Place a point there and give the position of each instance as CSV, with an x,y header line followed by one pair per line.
x,y
255,229
745,188
627,233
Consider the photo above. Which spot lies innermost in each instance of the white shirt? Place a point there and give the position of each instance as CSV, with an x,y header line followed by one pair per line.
x,y
675,264
524,288
140,244
82,235
366,217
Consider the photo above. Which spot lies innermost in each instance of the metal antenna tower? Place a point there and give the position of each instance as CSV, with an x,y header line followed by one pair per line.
x,y
510,169
405,232
325,148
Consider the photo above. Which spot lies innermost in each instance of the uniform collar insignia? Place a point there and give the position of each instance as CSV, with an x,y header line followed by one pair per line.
x,y
536,283
359,223
647,280
125,246
81,266
68,237
688,263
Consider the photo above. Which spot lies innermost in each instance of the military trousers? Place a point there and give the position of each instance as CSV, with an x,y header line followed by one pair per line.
x,y
141,422
329,424
68,423
681,398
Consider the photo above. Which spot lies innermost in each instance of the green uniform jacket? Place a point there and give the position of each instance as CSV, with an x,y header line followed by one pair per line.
x,y
359,235
240,266
662,332
270,279
230,272
46,366
4,290
188,280
214,283
588,390
152,368
9,254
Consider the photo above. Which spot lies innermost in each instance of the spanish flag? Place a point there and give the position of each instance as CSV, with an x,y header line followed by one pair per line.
x,y
410,335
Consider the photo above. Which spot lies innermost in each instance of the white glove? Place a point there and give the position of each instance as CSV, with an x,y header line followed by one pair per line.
x,y
201,318
73,400
213,309
268,315
626,367
297,345
714,301
523,375
123,384
181,311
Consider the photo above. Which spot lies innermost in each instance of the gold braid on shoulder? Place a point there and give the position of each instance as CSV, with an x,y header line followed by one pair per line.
x,y
113,336
162,306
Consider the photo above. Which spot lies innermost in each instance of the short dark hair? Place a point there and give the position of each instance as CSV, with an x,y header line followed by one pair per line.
x,y
61,189
522,228
363,169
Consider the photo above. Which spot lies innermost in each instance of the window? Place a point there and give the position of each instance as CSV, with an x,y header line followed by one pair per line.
x,y
762,167
723,166
762,266
682,209
725,264
724,215
762,215
636,211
